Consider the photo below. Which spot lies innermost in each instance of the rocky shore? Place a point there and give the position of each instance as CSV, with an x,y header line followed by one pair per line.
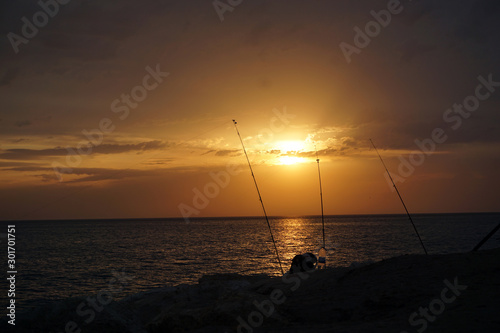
x,y
412,293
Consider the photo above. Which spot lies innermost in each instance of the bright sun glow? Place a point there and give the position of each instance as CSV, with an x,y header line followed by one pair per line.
x,y
289,160
290,147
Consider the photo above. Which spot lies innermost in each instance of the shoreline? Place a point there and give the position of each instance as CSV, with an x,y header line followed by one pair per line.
x,y
459,291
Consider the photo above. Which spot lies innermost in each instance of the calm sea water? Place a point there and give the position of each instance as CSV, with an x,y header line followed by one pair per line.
x,y
59,259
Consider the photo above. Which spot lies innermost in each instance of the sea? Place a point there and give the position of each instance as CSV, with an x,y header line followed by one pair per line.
x,y
70,258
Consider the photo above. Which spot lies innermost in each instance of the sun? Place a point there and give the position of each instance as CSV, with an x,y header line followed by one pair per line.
x,y
290,146
288,150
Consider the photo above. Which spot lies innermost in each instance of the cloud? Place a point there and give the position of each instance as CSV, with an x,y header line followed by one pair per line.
x,y
16,164
209,152
100,174
35,121
228,152
223,152
87,174
331,146
26,154
23,123
141,147
158,161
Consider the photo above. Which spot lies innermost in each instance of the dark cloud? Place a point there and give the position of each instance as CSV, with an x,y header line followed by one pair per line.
x,y
330,151
340,147
123,148
158,161
100,174
87,174
23,123
223,152
9,164
35,121
24,154
209,152
228,152
19,140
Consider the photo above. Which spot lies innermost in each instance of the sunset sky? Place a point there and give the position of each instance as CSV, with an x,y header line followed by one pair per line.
x,y
123,109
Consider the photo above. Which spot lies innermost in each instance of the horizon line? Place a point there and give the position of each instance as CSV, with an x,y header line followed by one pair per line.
x,y
235,217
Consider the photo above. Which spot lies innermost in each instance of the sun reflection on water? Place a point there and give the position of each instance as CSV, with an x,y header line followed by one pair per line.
x,y
293,236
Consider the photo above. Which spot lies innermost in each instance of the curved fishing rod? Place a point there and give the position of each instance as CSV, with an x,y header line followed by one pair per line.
x,y
400,198
260,198
322,252
321,197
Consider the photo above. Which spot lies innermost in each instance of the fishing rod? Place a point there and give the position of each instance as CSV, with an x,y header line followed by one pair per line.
x,y
400,198
486,238
260,198
322,251
321,197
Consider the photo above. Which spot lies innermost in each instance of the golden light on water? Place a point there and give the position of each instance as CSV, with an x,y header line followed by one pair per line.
x,y
293,235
